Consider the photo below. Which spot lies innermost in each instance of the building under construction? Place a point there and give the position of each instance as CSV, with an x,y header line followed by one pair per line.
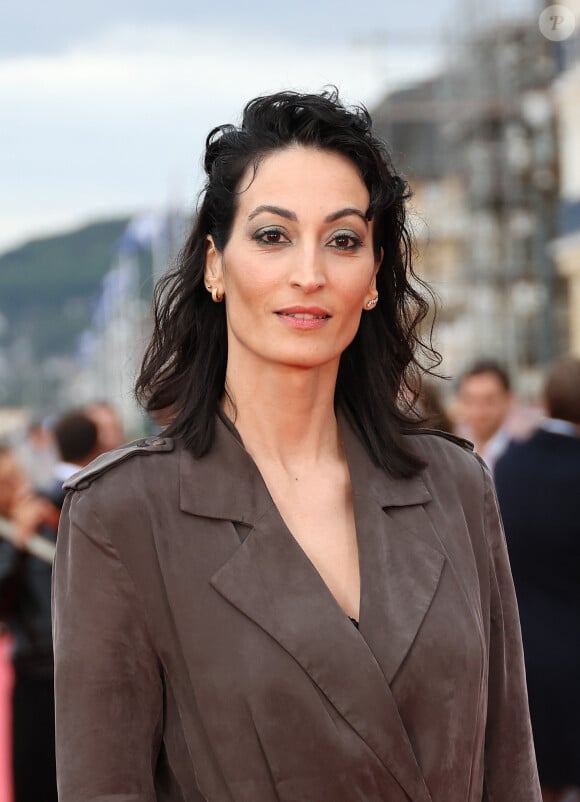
x,y
479,146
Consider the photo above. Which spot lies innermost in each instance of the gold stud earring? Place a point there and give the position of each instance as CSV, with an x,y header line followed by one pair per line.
x,y
216,296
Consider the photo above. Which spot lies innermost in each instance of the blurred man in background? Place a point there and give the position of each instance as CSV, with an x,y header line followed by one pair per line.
x,y
110,430
538,486
484,403
76,437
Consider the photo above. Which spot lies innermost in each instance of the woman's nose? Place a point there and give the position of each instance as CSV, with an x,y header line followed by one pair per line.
x,y
308,271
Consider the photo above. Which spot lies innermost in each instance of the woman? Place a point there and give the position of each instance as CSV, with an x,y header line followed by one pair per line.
x,y
289,595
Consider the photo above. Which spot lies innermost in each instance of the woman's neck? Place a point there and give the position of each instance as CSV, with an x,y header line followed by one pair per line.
x,y
284,415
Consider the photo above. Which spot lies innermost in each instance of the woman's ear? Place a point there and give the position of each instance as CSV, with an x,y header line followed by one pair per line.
x,y
213,266
372,296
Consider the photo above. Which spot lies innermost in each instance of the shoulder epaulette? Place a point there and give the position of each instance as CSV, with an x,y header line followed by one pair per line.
x,y
454,438
148,445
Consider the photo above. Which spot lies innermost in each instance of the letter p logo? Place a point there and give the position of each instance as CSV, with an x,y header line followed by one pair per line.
x,y
557,23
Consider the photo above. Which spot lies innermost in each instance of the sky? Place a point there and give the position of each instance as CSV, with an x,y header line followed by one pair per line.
x,y
104,107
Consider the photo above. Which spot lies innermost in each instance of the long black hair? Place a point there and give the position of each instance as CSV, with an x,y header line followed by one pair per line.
x,y
184,367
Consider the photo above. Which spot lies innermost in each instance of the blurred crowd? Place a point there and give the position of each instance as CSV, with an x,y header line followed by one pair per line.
x,y
533,451
32,471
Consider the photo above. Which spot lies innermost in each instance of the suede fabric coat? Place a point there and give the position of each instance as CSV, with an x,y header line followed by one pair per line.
x,y
200,656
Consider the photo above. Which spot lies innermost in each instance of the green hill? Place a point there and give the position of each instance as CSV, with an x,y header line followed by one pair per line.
x,y
48,287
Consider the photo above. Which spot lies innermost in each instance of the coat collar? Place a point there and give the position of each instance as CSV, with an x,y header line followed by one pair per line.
x,y
226,483
270,579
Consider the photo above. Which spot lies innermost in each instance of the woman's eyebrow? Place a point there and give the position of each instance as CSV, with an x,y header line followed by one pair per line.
x,y
274,210
281,212
345,213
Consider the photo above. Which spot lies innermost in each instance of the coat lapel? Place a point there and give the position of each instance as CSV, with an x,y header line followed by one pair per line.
x,y
270,579
400,570
399,576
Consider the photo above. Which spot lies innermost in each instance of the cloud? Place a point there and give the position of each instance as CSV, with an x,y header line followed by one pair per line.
x,y
119,122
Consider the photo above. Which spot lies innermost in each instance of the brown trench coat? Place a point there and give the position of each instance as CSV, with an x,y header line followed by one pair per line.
x,y
200,656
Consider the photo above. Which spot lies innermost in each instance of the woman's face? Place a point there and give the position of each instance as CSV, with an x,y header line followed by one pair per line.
x,y
299,266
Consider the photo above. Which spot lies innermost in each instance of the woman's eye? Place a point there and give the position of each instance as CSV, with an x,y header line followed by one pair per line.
x,y
270,236
346,241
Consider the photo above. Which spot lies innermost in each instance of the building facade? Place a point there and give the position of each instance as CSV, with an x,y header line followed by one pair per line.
x,y
479,145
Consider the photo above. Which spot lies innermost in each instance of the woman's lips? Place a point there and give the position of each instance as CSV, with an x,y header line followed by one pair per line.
x,y
304,321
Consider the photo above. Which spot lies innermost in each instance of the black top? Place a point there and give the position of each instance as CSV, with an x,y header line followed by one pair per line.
x,y
354,621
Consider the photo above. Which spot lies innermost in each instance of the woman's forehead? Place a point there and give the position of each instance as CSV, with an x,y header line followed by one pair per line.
x,y
303,177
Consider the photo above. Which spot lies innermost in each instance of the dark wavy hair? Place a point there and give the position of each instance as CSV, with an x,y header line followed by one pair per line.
x,y
184,367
